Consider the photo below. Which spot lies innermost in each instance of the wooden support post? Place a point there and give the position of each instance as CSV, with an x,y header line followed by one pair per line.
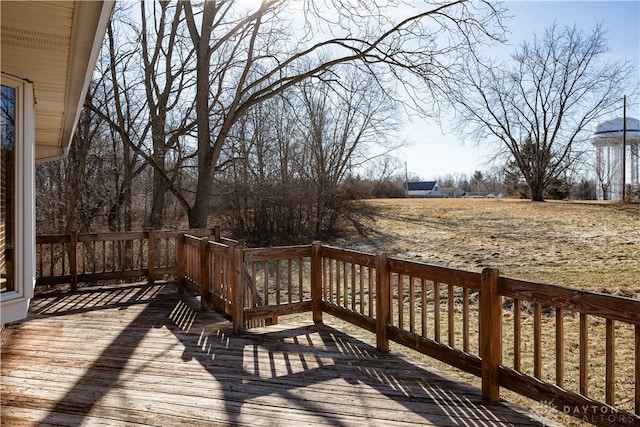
x,y
237,290
216,234
151,255
490,334
204,273
316,281
73,260
383,301
180,266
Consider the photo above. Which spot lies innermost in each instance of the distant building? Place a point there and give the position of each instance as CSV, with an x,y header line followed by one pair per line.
x,y
453,192
607,139
424,189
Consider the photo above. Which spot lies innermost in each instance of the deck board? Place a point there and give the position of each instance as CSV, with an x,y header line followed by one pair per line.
x,y
145,355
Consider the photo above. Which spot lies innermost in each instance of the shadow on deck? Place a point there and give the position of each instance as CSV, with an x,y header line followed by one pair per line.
x,y
145,355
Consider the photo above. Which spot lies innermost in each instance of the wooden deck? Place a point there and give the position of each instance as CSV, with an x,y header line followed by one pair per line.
x,y
144,355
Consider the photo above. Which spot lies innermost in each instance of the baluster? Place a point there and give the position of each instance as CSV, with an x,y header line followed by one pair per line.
x,y
265,270
423,305
371,290
451,315
277,281
537,340
465,320
361,267
289,283
559,347
412,310
584,354
436,311
353,287
517,334
610,381
300,279
401,301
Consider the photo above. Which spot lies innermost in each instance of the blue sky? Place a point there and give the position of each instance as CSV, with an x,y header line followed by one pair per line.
x,y
436,152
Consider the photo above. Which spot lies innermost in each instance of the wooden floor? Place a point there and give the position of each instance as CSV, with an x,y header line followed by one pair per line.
x,y
144,355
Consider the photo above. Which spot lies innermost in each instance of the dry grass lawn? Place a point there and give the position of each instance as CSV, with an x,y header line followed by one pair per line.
x,y
593,246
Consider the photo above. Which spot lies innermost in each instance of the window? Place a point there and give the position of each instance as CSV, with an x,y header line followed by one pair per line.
x,y
7,170
17,231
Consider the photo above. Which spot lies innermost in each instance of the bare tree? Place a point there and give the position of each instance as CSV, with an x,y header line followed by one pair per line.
x,y
494,180
165,59
383,168
238,60
477,181
604,173
75,192
120,105
540,104
339,126
261,192
294,159
146,106
244,60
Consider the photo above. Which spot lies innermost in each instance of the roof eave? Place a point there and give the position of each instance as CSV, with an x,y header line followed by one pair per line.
x,y
90,21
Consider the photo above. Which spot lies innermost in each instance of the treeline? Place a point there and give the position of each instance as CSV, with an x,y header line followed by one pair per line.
x,y
280,186
210,112
509,182
290,167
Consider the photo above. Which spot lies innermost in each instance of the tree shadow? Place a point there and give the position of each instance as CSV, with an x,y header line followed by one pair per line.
x,y
320,370
88,299
306,374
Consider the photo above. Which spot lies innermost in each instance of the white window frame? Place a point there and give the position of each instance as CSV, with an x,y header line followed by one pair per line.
x,y
14,304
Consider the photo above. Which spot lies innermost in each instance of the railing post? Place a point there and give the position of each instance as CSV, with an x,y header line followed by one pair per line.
x,y
316,281
73,260
490,334
217,237
151,255
237,290
204,273
383,301
180,263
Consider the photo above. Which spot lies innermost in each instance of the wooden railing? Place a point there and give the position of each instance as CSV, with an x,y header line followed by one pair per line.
x,y
542,341
594,335
279,278
74,257
459,317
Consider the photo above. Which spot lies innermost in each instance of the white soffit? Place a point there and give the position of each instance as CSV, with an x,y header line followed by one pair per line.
x,y
53,44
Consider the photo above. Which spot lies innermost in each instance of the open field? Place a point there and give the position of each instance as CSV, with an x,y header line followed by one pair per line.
x,y
593,246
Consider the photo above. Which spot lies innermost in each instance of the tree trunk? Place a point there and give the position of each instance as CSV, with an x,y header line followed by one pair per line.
x,y
198,215
75,165
537,190
199,212
160,187
127,180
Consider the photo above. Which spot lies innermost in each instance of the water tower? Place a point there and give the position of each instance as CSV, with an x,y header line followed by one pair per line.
x,y
608,140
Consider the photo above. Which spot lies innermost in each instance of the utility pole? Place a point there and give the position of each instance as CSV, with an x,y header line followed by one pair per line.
x,y
624,146
406,180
